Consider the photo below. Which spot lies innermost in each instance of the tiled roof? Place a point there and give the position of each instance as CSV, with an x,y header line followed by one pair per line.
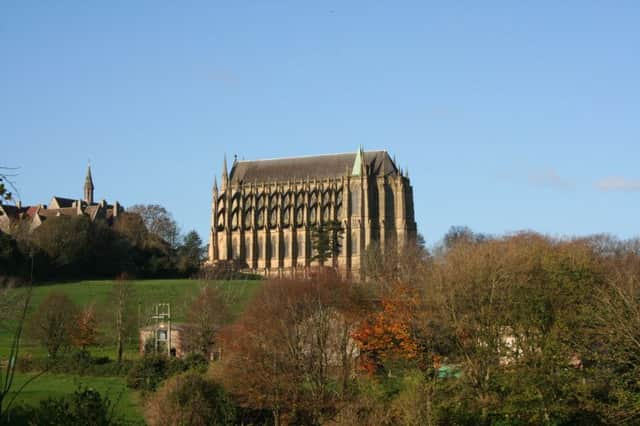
x,y
320,166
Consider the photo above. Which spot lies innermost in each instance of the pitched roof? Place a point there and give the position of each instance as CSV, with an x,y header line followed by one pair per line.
x,y
319,166
12,211
61,202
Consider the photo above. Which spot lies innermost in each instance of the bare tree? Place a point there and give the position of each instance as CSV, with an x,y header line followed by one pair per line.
x,y
53,322
205,316
158,221
11,296
291,352
122,298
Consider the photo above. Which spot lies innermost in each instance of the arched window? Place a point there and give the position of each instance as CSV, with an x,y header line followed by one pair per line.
x,y
313,215
355,244
355,202
234,220
326,213
260,219
300,216
247,218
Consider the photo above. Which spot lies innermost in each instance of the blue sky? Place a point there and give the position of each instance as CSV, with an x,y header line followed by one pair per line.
x,y
508,115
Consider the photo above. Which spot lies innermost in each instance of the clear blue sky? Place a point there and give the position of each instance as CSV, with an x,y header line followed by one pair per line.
x,y
508,115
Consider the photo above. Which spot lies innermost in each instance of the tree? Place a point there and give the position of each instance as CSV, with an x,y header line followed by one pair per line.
x,y
191,253
614,341
131,226
5,183
190,399
123,319
158,221
53,321
326,241
390,333
517,306
8,303
206,315
66,241
85,330
295,335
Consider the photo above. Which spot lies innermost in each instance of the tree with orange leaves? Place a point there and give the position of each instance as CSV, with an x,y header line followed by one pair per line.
x,y
85,331
391,332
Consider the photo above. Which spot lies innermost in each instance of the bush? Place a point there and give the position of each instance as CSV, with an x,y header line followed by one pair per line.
x,y
80,363
197,362
146,374
226,270
190,399
85,407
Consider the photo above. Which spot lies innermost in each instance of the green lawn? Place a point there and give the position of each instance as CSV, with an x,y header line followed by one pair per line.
x,y
145,293
127,402
178,292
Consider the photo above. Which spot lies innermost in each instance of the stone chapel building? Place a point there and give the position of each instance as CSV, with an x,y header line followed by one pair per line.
x,y
264,210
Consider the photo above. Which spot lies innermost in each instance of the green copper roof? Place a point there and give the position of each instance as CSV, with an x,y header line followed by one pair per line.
x,y
357,165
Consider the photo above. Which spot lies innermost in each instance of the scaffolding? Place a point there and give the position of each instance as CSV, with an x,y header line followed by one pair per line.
x,y
162,327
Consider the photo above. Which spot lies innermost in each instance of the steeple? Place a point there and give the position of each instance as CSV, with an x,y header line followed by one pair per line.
x,y
358,165
88,187
215,185
225,174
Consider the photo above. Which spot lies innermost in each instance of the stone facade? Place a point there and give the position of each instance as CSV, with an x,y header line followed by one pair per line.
x,y
264,210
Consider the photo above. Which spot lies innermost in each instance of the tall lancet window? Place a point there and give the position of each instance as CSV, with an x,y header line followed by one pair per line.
x,y
355,202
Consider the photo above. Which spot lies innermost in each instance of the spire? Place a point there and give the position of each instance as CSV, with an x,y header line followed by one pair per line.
x,y
88,187
225,174
215,184
358,165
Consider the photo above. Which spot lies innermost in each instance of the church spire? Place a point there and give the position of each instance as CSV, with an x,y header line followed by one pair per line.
x,y
358,165
88,187
225,174
215,184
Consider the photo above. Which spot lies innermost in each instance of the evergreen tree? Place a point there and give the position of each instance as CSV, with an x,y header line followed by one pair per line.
x,y
326,240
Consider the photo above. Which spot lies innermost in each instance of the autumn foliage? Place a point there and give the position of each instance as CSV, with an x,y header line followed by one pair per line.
x,y
84,332
291,352
390,333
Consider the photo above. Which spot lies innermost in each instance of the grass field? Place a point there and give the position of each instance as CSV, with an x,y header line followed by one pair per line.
x,y
145,293
127,402
178,292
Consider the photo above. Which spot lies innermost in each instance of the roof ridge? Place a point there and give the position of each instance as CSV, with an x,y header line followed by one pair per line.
x,y
309,156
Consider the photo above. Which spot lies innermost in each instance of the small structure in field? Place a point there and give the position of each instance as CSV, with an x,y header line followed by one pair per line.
x,y
163,339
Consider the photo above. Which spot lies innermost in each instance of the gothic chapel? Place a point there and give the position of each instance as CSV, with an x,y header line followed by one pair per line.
x,y
264,209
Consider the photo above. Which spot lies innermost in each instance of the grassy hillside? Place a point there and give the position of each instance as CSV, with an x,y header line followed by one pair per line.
x,y
127,402
146,293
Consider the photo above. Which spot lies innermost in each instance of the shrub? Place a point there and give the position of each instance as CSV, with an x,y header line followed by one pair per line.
x,y
197,362
146,374
84,407
190,399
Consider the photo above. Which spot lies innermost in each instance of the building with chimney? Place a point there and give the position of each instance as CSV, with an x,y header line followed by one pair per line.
x,y
34,216
264,211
